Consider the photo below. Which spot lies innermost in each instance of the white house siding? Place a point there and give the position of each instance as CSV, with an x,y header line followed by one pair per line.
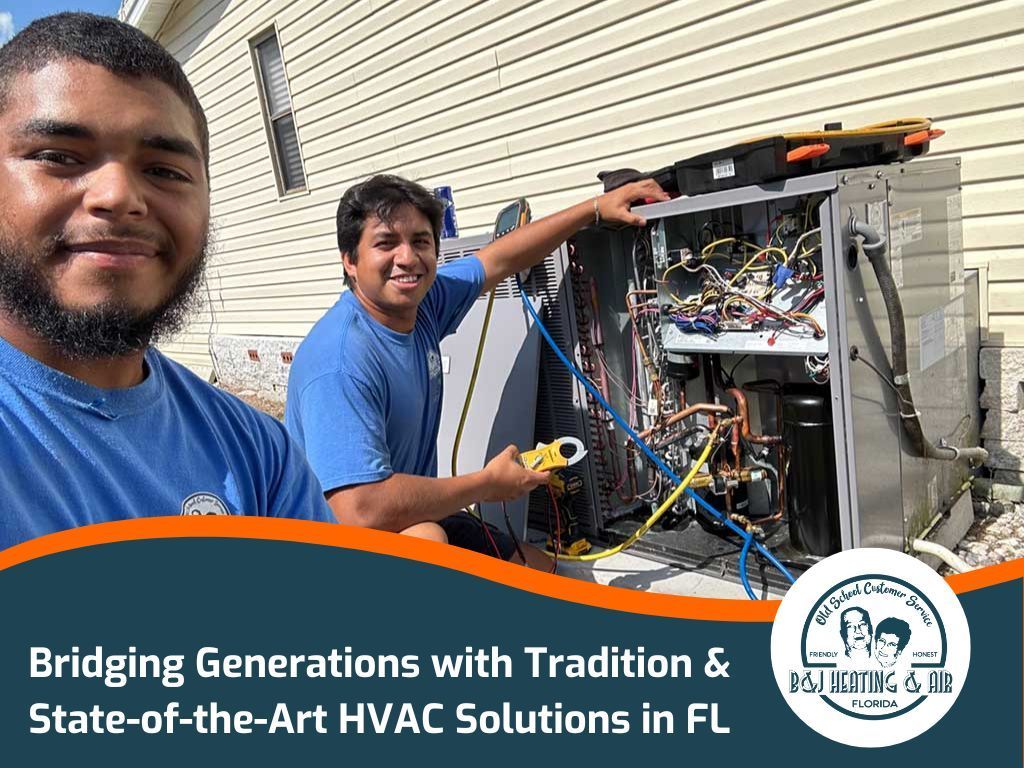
x,y
504,98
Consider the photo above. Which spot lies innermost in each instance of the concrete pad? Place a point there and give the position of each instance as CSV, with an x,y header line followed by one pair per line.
x,y
631,572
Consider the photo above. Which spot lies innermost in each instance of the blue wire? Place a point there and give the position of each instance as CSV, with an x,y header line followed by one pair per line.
x,y
747,537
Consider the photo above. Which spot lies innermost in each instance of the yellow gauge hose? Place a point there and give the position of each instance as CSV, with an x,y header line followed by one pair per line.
x,y
472,383
665,507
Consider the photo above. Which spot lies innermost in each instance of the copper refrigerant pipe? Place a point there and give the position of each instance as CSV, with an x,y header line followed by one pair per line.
x,y
742,415
781,506
776,440
736,445
675,418
780,448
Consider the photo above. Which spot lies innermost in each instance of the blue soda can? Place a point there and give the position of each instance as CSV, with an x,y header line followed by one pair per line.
x,y
450,227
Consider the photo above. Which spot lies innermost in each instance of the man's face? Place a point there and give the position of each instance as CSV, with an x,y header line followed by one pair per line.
x,y
855,630
887,649
396,264
106,202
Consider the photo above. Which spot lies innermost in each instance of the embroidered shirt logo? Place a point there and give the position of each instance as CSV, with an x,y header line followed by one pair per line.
x,y
203,504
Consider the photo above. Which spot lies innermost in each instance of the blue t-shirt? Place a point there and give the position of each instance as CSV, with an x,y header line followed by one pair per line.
x,y
74,454
364,400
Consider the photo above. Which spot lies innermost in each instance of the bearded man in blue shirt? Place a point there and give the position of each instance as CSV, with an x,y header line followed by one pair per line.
x,y
364,393
104,154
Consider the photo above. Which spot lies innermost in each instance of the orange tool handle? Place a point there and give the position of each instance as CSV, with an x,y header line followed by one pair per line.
x,y
806,152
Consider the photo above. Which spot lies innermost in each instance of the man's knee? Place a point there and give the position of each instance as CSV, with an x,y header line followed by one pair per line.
x,y
429,531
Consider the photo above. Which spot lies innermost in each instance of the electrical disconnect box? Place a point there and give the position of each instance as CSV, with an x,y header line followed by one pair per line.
x,y
821,332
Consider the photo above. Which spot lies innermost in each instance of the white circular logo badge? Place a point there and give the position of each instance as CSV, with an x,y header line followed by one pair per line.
x,y
203,504
870,647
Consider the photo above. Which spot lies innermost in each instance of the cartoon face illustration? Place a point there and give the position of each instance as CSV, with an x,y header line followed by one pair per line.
x,y
855,629
891,637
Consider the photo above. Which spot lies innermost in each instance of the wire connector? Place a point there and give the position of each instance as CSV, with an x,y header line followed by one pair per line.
x,y
781,276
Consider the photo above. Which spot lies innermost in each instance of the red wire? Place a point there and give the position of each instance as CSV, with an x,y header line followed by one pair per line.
x,y
811,298
487,530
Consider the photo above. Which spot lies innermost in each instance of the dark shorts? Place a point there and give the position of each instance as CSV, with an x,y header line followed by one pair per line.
x,y
464,530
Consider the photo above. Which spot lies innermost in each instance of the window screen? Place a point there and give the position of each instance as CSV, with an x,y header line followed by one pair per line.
x,y
279,114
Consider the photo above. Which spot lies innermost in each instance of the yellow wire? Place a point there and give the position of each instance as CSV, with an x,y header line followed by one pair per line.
x,y
754,258
682,303
666,505
665,273
706,250
472,382
809,321
707,254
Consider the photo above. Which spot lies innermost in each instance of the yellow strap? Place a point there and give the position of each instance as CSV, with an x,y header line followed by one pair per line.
x,y
903,125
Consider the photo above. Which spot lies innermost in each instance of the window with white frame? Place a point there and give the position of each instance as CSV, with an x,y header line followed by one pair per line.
x,y
277,106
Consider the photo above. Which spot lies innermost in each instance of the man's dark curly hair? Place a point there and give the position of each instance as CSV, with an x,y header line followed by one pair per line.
x,y
382,196
101,40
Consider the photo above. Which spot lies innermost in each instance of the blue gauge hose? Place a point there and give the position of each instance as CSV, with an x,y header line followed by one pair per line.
x,y
748,538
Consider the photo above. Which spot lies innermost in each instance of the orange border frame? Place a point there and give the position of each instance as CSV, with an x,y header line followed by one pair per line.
x,y
482,566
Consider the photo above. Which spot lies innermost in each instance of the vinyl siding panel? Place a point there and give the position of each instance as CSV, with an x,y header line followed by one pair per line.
x,y
533,97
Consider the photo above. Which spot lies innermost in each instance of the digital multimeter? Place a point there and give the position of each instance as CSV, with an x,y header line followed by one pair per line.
x,y
512,217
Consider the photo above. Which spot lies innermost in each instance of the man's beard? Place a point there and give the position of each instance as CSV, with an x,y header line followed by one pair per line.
x,y
110,329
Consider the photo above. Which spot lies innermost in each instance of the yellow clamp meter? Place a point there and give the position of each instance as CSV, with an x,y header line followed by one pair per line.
x,y
554,455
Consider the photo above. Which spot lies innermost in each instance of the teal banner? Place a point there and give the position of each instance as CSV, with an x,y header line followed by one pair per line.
x,y
191,651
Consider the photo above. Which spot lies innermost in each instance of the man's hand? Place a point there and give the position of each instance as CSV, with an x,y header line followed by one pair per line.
x,y
507,479
615,206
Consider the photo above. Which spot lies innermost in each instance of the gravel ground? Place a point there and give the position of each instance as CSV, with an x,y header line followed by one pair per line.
x,y
996,536
272,407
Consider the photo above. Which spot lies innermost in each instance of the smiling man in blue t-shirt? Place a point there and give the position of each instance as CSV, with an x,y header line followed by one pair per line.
x,y
364,396
103,228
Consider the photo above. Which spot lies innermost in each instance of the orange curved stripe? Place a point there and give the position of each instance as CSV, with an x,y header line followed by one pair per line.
x,y
407,547
987,576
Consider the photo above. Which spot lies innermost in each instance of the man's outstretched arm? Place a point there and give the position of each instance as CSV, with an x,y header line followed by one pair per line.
x,y
401,501
528,246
